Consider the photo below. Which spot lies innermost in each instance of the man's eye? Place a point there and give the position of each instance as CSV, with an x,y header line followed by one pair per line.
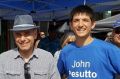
x,y
18,34
86,20
27,33
75,20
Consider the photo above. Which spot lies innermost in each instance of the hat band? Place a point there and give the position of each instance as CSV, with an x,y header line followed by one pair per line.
x,y
23,25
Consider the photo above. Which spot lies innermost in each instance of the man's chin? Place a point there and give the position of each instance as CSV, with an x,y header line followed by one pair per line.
x,y
24,49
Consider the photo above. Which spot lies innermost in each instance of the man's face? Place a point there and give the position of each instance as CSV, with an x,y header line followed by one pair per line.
x,y
81,24
116,36
25,39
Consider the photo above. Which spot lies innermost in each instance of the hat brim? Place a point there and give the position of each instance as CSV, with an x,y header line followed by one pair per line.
x,y
23,28
116,27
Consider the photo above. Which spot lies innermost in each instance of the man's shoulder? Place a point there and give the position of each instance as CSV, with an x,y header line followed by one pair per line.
x,y
8,53
68,48
103,43
44,55
45,39
100,44
42,52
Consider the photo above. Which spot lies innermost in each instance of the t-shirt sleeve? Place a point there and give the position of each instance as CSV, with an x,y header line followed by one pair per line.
x,y
114,58
60,64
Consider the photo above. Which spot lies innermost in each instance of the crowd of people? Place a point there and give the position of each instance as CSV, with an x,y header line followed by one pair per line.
x,y
76,55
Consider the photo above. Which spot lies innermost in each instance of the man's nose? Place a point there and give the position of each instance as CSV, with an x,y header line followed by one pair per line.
x,y
80,24
22,38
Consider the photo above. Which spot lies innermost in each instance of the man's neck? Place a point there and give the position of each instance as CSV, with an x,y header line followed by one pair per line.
x,y
26,55
84,41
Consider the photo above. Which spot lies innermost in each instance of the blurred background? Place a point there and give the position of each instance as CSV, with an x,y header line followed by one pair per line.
x,y
55,14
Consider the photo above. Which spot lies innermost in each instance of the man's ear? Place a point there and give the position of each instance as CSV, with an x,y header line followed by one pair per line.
x,y
93,25
35,33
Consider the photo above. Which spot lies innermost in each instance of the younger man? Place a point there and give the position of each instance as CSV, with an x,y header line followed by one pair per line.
x,y
87,57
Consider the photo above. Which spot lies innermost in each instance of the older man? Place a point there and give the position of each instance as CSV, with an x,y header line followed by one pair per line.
x,y
25,61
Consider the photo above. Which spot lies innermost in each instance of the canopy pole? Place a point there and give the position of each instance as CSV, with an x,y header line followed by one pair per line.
x,y
33,6
84,2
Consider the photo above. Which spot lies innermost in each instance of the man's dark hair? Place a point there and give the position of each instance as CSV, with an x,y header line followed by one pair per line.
x,y
82,9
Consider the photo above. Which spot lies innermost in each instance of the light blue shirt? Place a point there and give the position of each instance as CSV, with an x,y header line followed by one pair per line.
x,y
41,64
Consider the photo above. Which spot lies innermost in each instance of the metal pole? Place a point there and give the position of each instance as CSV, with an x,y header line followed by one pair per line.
x,y
84,2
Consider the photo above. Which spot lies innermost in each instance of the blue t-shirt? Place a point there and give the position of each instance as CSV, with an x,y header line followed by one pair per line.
x,y
98,60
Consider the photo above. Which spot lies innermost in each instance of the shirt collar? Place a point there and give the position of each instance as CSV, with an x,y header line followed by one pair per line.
x,y
17,54
35,53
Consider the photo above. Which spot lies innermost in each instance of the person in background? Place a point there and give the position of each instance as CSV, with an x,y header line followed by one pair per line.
x,y
37,40
40,35
114,37
66,39
108,37
87,57
50,43
26,61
